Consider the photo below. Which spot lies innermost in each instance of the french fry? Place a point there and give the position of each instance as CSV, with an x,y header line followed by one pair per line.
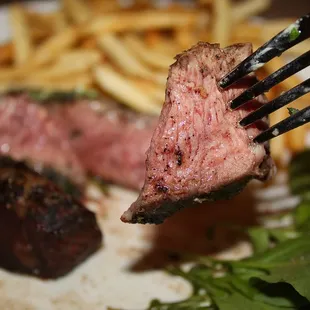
x,y
44,54
89,43
126,60
99,6
162,45
296,139
278,144
6,53
222,22
248,32
156,91
185,37
146,54
21,35
40,25
60,22
120,88
78,11
122,56
145,20
53,46
247,8
70,63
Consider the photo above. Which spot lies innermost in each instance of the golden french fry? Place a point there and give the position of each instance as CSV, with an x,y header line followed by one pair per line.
x,y
21,35
6,53
248,32
122,89
222,22
296,139
247,8
53,46
114,48
145,20
44,54
89,43
156,91
122,56
59,22
77,10
278,145
41,25
99,6
185,37
146,54
70,63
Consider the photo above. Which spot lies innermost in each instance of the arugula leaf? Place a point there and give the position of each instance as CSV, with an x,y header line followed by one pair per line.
x,y
292,111
288,262
237,301
260,239
302,216
294,34
271,294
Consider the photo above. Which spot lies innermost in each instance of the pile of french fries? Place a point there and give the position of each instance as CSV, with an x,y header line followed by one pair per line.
x,y
125,52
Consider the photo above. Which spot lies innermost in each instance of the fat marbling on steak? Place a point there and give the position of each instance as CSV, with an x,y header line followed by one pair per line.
x,y
198,150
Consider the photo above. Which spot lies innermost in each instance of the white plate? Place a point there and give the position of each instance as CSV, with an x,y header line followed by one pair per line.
x,y
107,278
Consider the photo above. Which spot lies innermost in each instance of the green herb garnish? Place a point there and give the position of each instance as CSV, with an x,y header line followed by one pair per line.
x,y
294,34
292,111
43,96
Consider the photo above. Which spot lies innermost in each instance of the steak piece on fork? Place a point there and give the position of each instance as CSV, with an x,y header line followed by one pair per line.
x,y
198,150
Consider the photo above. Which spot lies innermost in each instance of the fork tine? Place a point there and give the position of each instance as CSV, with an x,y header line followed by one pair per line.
x,y
275,78
298,119
293,34
284,99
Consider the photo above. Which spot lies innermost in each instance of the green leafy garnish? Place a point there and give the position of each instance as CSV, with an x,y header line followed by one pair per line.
x,y
292,111
43,96
294,34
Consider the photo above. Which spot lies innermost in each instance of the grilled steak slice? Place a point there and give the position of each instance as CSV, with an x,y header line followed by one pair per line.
x,y
43,232
77,136
27,131
109,141
198,150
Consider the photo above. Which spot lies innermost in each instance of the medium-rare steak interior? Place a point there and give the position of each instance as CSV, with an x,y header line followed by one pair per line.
x,y
198,150
43,231
76,136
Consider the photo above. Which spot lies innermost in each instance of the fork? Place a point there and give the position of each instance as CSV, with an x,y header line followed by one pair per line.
x,y
292,35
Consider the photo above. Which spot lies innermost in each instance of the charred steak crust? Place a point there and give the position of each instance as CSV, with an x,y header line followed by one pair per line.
x,y
198,150
44,232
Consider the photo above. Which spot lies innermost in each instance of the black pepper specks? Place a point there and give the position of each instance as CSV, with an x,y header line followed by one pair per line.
x,y
161,188
179,156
